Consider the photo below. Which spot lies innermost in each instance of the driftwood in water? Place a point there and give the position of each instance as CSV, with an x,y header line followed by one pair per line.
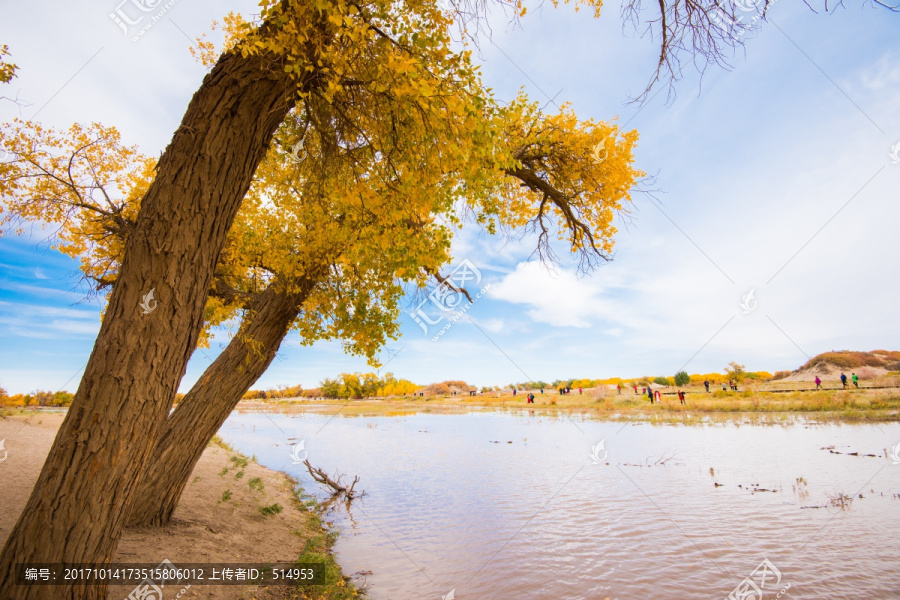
x,y
336,486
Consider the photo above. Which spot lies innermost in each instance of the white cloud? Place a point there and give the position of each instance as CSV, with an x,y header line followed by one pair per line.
x,y
492,325
557,298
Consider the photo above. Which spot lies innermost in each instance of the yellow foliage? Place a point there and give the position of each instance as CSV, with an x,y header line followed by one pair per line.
x,y
7,69
393,137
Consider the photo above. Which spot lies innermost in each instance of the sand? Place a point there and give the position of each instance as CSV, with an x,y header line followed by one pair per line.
x,y
205,529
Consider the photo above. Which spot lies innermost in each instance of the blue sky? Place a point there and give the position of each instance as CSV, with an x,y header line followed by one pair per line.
x,y
775,177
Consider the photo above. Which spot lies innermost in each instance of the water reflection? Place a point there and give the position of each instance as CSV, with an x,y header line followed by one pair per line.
x,y
512,505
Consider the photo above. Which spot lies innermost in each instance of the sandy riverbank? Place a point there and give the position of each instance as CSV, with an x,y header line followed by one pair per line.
x,y
209,525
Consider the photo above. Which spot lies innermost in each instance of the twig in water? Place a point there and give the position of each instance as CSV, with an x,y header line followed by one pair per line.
x,y
336,486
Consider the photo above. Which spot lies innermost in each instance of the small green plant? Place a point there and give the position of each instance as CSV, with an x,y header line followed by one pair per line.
x,y
223,472
256,484
682,378
217,441
317,550
196,479
239,474
239,461
226,495
272,509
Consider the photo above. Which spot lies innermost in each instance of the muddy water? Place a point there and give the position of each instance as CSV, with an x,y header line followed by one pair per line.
x,y
448,509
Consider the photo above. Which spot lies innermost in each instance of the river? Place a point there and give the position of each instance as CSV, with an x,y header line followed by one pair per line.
x,y
576,508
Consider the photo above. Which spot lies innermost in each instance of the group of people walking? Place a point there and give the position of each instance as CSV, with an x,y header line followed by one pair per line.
x,y
853,377
566,390
656,394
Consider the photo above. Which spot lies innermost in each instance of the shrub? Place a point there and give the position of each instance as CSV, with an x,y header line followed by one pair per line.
x,y
270,510
682,378
662,380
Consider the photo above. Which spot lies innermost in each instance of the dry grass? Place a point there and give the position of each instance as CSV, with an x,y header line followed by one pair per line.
x,y
849,405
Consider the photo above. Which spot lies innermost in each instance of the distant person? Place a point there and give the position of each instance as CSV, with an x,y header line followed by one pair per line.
x,y
580,391
542,391
514,391
724,387
635,388
855,380
818,383
844,381
706,385
619,389
530,398
568,390
681,396
650,393
658,396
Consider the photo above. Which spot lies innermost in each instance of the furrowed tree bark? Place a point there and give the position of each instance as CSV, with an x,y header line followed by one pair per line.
x,y
204,409
78,507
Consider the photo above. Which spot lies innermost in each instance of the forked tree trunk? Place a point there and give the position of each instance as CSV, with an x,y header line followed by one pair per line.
x,y
204,409
78,507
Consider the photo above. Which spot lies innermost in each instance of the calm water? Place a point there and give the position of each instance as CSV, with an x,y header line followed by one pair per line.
x,y
537,518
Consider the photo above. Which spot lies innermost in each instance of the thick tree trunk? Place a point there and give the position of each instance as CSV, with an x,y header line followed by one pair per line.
x,y
203,410
77,509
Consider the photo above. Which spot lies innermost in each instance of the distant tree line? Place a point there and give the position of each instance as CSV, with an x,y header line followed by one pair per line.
x,y
346,385
60,398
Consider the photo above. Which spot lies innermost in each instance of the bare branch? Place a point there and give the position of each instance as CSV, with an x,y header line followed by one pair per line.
x,y
336,486
448,284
